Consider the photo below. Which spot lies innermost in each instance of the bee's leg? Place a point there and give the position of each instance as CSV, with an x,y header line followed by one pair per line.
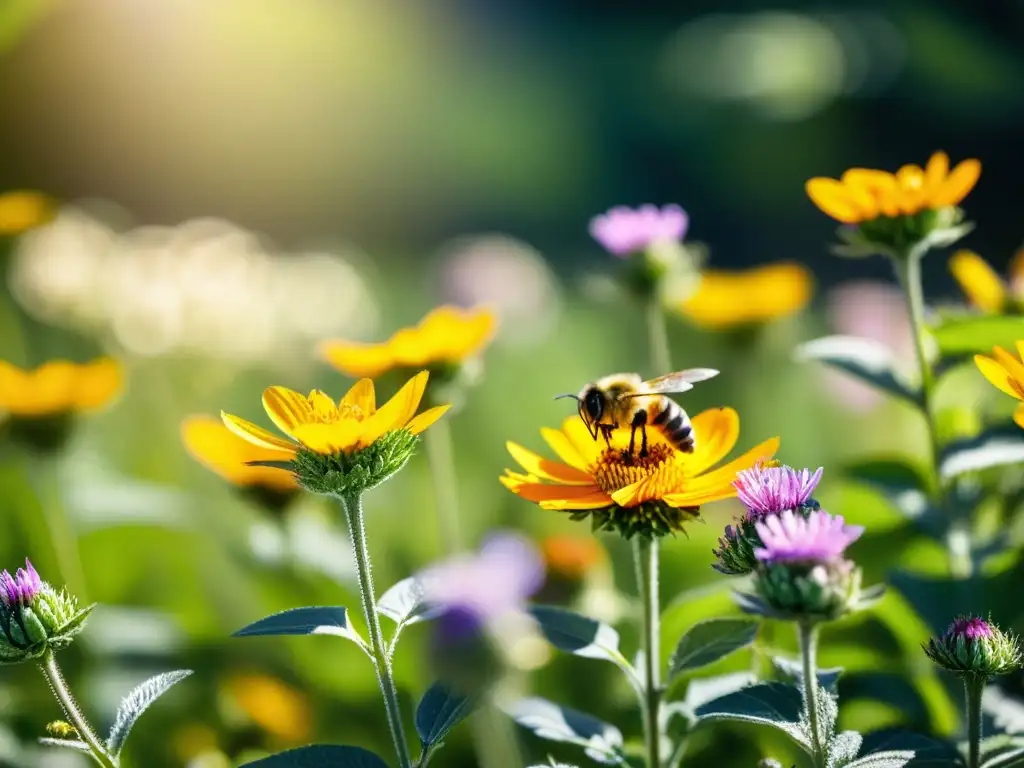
x,y
639,422
606,433
643,440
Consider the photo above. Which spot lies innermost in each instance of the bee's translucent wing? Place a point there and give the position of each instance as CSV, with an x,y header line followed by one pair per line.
x,y
680,381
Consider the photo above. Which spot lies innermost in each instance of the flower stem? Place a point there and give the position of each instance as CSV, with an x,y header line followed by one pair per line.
x,y
353,506
60,689
645,554
441,457
657,333
808,635
908,270
495,743
974,688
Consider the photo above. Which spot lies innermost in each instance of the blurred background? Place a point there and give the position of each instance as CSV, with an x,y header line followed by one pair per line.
x,y
232,181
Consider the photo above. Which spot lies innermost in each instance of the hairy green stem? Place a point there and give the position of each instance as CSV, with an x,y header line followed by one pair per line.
x,y
807,632
353,506
974,687
657,333
645,554
441,457
60,689
908,270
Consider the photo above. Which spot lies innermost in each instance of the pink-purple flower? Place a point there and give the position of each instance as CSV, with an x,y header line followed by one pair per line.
x,y
474,589
767,490
791,538
968,627
623,231
20,589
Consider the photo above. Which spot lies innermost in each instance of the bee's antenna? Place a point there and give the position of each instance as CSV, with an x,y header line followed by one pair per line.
x,y
567,394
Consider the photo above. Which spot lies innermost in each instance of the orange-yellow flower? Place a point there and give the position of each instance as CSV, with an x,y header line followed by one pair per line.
x,y
726,299
23,210
1006,373
318,424
592,477
984,288
863,194
447,336
572,557
277,708
58,387
219,449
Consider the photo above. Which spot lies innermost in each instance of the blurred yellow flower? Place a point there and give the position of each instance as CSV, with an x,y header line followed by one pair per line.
x,y
985,289
591,476
572,557
1006,373
58,387
23,210
317,423
194,739
277,708
863,194
219,449
446,336
725,299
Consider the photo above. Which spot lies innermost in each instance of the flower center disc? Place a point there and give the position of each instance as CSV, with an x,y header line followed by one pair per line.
x,y
614,469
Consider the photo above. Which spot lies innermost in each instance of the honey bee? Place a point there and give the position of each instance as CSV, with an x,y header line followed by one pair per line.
x,y
61,730
626,400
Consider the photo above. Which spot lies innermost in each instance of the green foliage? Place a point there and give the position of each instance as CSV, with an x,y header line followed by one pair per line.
x,y
707,642
974,334
322,756
601,742
305,621
438,712
346,474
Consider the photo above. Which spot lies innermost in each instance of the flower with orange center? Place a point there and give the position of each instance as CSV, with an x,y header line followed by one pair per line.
x,y
343,447
732,299
893,212
1006,373
445,339
984,288
652,495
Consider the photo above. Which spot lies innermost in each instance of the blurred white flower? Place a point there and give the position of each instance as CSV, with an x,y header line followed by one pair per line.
x,y
205,287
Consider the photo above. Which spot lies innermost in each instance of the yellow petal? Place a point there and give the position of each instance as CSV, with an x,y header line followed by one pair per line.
x,y
397,411
220,450
996,375
321,406
596,499
979,282
98,383
833,199
1013,366
23,210
14,387
337,437
728,299
724,475
585,444
563,448
286,408
881,185
1018,415
912,189
957,185
255,435
546,469
542,492
51,389
715,432
423,420
936,170
357,360
361,396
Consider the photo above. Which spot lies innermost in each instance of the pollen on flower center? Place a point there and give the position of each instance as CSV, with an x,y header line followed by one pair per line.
x,y
614,469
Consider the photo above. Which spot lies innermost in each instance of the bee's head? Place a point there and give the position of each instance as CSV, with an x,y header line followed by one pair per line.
x,y
591,406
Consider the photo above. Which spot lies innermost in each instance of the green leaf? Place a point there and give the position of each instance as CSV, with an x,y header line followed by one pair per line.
x,y
702,690
708,641
77,746
867,359
843,748
773,704
1011,758
305,621
969,335
578,635
996,446
601,742
438,712
895,748
405,603
137,702
322,756
1005,710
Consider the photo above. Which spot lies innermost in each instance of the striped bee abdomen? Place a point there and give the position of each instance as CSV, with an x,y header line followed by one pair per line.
x,y
674,424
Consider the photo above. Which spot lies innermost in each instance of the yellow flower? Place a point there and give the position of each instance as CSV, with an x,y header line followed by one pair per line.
x,y
23,210
320,425
219,449
58,387
863,194
659,490
277,708
446,336
1006,373
730,299
985,289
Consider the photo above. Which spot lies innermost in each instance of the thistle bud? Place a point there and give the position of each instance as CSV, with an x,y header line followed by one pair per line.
x,y
972,646
34,617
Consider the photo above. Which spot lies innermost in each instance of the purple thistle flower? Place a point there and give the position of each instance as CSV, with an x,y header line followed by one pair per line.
x,y
792,538
968,627
769,490
475,589
623,230
20,589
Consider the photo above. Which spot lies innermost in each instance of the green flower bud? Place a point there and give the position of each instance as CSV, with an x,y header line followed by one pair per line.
x,y
652,519
344,475
34,617
972,646
825,590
